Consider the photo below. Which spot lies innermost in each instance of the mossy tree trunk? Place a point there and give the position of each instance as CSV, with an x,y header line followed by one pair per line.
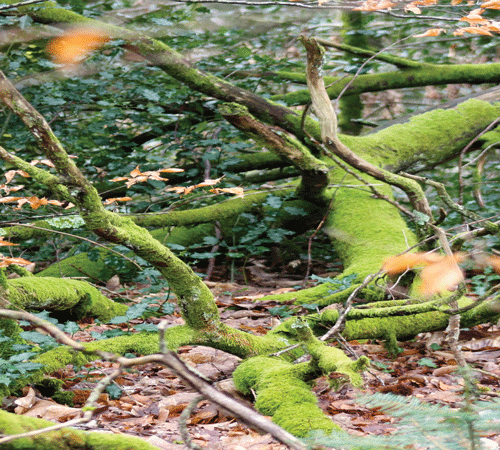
x,y
364,228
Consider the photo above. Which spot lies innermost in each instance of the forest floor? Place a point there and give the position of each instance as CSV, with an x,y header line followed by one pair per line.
x,y
147,401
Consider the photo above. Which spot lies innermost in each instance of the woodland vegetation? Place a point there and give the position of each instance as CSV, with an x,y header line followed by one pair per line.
x,y
135,148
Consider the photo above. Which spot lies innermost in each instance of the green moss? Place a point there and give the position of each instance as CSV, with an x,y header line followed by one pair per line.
x,y
270,399
76,297
301,419
11,329
63,439
283,393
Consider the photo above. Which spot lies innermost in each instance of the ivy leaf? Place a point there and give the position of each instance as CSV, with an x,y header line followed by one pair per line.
x,y
151,95
114,391
427,362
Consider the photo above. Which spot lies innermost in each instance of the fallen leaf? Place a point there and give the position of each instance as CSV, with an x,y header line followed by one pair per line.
x,y
26,402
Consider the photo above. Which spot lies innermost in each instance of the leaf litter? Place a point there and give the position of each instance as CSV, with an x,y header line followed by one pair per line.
x,y
148,400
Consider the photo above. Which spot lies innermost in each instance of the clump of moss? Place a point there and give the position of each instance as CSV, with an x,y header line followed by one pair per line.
x,y
283,394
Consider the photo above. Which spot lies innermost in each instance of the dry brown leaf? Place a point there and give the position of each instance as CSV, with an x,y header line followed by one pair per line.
x,y
110,201
136,172
5,243
26,402
475,18
431,32
209,182
55,202
12,173
171,170
36,202
375,5
425,2
484,31
493,4
412,8
5,261
177,189
47,162
120,179
10,199
239,192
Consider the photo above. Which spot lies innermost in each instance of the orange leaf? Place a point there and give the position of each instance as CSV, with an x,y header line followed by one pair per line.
x,y
235,190
430,32
171,170
55,202
209,182
441,276
136,172
494,262
9,189
110,201
375,5
4,261
473,30
10,199
36,202
5,243
120,179
76,44
177,189
12,173
493,4
47,162
475,18
406,261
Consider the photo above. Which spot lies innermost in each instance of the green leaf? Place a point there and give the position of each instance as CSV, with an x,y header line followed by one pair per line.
x,y
19,357
175,246
427,362
118,320
114,391
37,338
4,379
243,52
273,201
294,211
136,311
150,95
282,311
421,218
168,308
146,327
205,255
71,327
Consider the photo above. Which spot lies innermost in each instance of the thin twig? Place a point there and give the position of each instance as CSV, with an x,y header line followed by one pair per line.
x,y
347,307
15,224
183,418
17,5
